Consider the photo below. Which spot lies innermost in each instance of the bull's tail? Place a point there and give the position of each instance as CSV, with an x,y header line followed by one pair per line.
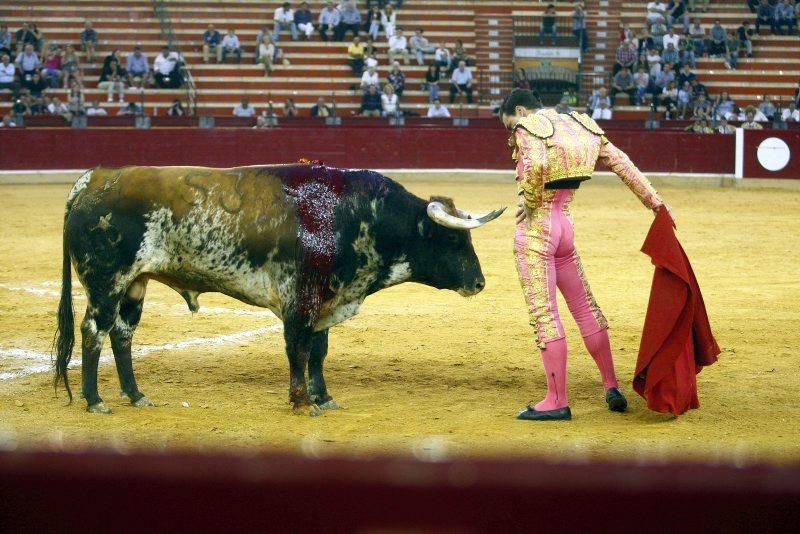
x,y
65,332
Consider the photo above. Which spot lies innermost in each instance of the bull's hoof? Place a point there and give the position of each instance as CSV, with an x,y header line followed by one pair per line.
x,y
311,410
98,407
330,405
143,402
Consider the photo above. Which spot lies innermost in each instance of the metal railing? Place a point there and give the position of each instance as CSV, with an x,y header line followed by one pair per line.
x,y
167,33
528,32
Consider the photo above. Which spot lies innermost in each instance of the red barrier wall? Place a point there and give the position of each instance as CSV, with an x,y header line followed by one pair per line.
x,y
431,147
751,166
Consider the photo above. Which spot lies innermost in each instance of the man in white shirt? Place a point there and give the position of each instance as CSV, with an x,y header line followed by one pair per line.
x,y
791,114
370,77
244,109
437,110
461,82
656,12
284,20
164,68
671,37
95,110
601,112
398,45
329,19
230,45
7,70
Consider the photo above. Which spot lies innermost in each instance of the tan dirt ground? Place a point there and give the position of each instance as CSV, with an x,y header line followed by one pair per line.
x,y
427,371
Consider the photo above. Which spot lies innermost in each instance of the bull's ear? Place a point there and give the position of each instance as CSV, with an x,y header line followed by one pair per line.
x,y
425,227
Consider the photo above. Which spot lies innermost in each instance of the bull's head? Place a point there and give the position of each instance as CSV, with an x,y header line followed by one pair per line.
x,y
445,258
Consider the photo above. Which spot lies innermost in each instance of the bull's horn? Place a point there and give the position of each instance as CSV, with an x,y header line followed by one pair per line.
x,y
466,221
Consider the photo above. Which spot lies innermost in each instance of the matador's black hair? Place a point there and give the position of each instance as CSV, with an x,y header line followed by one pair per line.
x,y
521,97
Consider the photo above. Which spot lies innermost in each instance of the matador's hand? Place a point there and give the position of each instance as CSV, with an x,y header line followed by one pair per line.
x,y
669,211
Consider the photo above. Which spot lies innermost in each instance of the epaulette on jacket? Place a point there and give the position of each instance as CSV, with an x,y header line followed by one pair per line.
x,y
537,124
587,122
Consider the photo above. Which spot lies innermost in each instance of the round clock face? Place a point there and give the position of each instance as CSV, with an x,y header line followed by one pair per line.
x,y
773,154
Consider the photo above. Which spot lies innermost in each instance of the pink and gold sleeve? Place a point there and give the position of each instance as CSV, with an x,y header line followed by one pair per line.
x,y
527,180
619,162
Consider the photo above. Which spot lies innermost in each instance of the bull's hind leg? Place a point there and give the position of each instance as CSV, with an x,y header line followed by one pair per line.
x,y
316,380
99,318
298,349
130,312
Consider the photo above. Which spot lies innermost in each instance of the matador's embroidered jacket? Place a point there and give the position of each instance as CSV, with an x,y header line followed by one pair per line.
x,y
551,146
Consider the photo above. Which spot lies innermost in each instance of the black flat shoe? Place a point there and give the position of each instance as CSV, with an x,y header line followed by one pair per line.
x,y
560,414
616,400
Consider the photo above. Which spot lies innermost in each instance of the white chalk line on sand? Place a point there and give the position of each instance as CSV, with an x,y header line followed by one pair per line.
x,y
36,356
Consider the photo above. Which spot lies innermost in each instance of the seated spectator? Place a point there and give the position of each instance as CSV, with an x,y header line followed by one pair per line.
x,y
7,122
371,60
420,46
39,42
685,75
785,16
23,102
645,40
460,54
35,84
670,55
724,128
698,36
136,64
266,54
212,40
723,107
57,107
131,108
548,24
671,38
136,88
231,45
684,99
24,37
303,20
669,99
750,122
520,79
369,77
686,54
598,96
389,102
716,44
626,57
702,108
95,110
284,20
329,20
602,112
442,57
767,108
654,62
371,102
398,46
698,89
70,67
176,109
38,106
676,13
289,107
373,24
355,56
369,47
734,51
623,83
791,113
698,5
51,67
642,82
699,126
432,78
579,25
351,20
5,40
743,33
656,12
664,78
113,56
461,82
320,109
765,14
112,79
563,105
397,79
8,75
388,21
88,40
437,110
244,109
658,30
165,66
28,62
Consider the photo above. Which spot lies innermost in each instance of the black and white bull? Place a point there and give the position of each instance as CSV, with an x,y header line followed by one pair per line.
x,y
306,241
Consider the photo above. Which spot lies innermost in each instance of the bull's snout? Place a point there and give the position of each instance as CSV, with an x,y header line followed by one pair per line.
x,y
474,288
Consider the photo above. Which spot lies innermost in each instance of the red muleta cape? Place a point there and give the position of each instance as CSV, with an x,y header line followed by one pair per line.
x,y
677,340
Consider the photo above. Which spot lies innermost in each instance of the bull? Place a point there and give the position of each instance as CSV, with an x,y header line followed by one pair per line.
x,y
306,241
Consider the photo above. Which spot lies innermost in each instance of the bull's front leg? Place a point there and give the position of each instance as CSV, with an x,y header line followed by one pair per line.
x,y
316,380
298,339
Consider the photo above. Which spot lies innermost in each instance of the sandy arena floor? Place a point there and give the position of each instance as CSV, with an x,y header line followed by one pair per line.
x,y
426,371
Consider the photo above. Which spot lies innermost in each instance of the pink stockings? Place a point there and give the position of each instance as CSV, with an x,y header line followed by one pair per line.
x,y
546,258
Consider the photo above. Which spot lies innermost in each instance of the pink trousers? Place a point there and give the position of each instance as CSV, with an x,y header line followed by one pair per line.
x,y
546,259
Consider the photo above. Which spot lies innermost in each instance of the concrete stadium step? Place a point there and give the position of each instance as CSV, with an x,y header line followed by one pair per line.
x,y
743,78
